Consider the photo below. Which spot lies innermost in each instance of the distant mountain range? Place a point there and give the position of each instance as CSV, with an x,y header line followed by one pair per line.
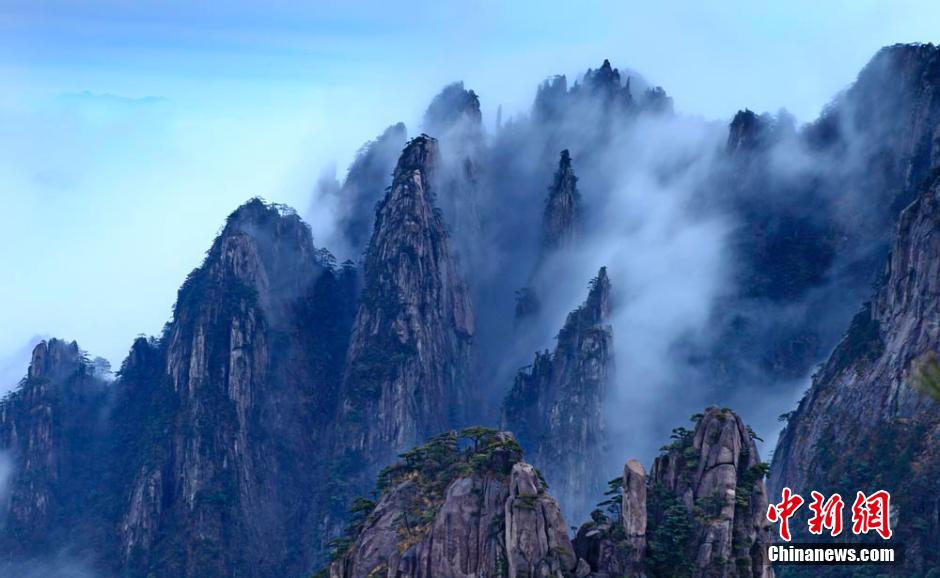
x,y
298,415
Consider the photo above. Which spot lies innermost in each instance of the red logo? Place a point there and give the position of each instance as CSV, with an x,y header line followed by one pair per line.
x,y
826,514
872,513
783,511
869,513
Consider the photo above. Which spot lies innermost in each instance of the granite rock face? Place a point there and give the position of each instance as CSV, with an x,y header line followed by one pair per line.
x,y
716,474
249,387
43,432
862,426
562,220
633,511
699,513
448,513
191,462
407,372
556,405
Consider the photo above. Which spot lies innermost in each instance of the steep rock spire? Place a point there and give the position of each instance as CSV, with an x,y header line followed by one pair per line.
x,y
562,218
408,367
561,227
717,469
699,513
555,406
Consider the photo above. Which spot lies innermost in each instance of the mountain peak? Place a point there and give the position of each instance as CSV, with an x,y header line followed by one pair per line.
x,y
453,106
605,76
596,309
265,247
54,358
409,355
607,83
257,215
573,382
746,131
561,220
419,155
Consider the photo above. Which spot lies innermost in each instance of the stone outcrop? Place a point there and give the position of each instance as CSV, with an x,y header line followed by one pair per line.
x,y
556,405
408,367
633,512
44,435
561,222
448,513
746,132
715,474
700,513
537,541
862,426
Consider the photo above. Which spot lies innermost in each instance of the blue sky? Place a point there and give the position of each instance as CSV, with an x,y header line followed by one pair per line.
x,y
128,130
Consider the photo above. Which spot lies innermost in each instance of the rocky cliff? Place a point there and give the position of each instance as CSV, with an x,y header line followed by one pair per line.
x,y
862,425
700,512
191,462
465,504
556,405
462,505
251,386
810,238
407,373
47,431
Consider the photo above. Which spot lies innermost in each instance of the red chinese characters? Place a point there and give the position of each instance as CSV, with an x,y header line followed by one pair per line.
x,y
783,511
826,514
872,512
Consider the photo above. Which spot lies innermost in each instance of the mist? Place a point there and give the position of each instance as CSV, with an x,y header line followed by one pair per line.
x,y
738,249
122,156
